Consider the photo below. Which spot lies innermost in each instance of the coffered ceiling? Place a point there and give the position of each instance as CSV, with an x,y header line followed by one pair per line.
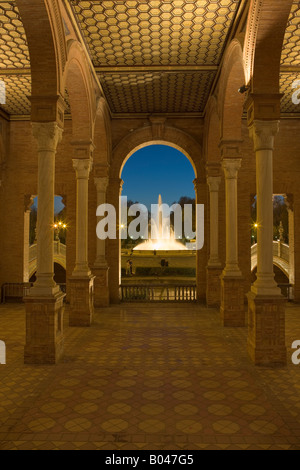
x,y
151,56
149,53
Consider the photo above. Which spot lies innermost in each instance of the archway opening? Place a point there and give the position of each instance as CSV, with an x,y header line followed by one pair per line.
x,y
283,242
157,177
60,228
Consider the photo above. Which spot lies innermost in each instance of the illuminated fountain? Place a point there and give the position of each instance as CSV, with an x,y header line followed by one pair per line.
x,y
164,237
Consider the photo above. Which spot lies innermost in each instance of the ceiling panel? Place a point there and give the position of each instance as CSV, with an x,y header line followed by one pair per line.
x,y
157,92
291,45
155,32
286,86
13,44
17,89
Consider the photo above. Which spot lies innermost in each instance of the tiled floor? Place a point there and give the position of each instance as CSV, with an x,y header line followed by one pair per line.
x,y
148,377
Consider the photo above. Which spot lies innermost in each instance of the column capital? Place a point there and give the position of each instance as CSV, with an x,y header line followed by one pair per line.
x,y
231,167
214,183
47,134
101,184
263,134
82,167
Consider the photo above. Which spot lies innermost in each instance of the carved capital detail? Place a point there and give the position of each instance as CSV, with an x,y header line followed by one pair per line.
x,y
231,167
214,183
263,134
47,134
82,167
101,184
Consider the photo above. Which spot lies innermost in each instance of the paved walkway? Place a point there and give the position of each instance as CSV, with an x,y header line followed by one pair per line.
x,y
148,377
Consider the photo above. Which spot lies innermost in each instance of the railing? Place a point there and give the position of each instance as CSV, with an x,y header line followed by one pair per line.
x,y
287,291
281,256
158,293
17,291
59,250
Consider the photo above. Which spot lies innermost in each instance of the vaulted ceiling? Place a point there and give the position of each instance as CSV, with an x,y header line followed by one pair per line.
x,y
149,53
151,56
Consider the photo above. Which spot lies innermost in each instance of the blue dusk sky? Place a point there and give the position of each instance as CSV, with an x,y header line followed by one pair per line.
x,y
58,205
158,169
153,170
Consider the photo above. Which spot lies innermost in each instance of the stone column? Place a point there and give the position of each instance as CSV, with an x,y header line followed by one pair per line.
x,y
114,191
100,268
232,288
82,281
266,306
214,270
201,255
28,201
44,304
289,200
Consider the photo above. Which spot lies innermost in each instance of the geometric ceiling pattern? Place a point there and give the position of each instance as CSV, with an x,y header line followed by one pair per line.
x,y
13,44
151,56
155,32
290,58
286,86
152,33
291,45
17,88
157,92
15,57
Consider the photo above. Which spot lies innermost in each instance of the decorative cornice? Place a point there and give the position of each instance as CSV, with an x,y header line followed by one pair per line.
x,y
230,148
213,169
83,149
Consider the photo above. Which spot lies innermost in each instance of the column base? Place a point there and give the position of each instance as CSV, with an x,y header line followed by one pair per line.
x,y
101,290
81,301
213,287
266,330
44,329
232,301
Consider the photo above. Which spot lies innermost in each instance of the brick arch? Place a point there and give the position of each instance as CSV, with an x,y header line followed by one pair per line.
x,y
144,137
103,135
46,42
212,132
230,101
79,83
265,31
